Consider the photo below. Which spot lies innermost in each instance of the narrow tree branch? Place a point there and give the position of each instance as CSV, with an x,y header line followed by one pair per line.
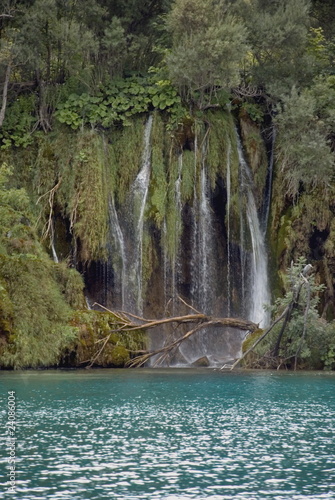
x,y
5,93
308,302
48,225
127,322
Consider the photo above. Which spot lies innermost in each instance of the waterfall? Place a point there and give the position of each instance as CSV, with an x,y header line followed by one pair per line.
x,y
118,238
124,268
139,193
203,260
52,244
203,267
259,289
175,265
228,187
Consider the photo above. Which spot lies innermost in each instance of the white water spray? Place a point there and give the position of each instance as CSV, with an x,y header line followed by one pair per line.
x,y
52,244
228,186
259,290
139,191
120,248
203,254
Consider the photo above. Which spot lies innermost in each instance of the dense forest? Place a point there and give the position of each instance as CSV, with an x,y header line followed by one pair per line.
x,y
79,80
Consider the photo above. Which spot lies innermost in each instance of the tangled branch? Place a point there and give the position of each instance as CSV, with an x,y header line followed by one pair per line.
x,y
48,229
128,322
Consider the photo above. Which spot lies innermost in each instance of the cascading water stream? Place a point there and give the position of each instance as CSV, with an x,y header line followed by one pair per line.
x,y
203,259
228,187
175,261
126,231
203,265
259,290
140,190
120,249
52,244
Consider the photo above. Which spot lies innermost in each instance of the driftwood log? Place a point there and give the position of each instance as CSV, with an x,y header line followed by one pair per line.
x,y
197,321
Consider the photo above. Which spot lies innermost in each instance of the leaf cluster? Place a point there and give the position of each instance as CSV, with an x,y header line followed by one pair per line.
x,y
118,102
304,147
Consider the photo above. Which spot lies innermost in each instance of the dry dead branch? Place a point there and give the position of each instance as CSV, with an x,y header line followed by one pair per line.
x,y
47,229
129,322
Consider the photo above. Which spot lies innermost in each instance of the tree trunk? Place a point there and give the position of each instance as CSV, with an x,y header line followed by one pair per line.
x,y
5,93
129,322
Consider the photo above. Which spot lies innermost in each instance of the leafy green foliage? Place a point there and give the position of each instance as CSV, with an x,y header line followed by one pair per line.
x,y
209,44
35,325
303,148
328,348
253,110
118,102
277,37
18,126
312,349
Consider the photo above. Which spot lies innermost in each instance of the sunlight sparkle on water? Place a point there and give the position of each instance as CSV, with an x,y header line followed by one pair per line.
x,y
173,434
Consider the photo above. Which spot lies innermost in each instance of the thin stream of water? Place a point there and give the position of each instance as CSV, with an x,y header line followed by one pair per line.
x,y
259,292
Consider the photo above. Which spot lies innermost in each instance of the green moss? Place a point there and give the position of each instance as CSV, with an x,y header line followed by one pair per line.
x,y
187,176
33,296
255,153
94,327
125,154
251,339
40,314
71,285
158,181
72,178
117,356
220,139
6,312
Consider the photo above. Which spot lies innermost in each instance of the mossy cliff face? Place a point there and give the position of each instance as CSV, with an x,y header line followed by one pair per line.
x,y
304,227
95,330
62,194
38,299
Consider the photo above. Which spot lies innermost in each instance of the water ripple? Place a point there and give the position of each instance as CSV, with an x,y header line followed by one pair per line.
x,y
174,435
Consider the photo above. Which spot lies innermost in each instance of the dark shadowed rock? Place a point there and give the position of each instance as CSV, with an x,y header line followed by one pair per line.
x,y
201,362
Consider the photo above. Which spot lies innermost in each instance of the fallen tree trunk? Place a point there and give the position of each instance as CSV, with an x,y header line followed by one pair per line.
x,y
128,322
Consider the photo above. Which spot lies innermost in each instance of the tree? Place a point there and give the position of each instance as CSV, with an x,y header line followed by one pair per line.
x,y
6,53
300,339
277,35
208,47
323,14
305,127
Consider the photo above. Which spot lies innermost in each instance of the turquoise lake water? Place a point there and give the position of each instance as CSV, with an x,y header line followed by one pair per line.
x,y
170,434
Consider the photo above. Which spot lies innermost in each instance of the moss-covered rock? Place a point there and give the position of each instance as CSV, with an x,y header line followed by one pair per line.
x,y
98,342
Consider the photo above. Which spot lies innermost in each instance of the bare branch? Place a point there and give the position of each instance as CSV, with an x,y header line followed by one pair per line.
x,y
247,91
47,230
128,322
5,93
308,302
